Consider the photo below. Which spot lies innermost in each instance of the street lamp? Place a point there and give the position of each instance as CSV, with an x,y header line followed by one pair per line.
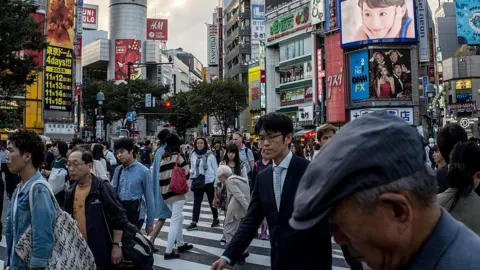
x,y
100,99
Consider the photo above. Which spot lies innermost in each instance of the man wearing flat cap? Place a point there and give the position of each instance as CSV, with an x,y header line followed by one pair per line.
x,y
381,199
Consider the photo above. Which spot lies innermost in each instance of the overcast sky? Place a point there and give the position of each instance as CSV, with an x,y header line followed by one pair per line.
x,y
186,19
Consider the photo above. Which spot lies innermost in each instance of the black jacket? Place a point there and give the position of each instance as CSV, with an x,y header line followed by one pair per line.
x,y
97,233
291,249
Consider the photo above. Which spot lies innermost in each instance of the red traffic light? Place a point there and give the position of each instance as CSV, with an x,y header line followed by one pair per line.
x,y
168,104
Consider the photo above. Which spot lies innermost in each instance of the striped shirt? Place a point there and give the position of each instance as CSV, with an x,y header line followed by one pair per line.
x,y
166,168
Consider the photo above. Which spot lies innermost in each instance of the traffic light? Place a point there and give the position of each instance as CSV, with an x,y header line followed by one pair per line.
x,y
165,104
168,104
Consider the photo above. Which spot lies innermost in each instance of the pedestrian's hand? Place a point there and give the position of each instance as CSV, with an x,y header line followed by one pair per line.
x,y
148,230
116,255
220,264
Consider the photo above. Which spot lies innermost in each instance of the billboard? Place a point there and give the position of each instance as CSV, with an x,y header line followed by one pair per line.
x,y
359,77
332,15
289,24
317,8
423,47
296,72
258,20
212,52
468,22
254,75
462,107
60,23
390,73
58,79
296,96
463,84
335,93
376,22
127,50
90,17
406,113
157,29
271,5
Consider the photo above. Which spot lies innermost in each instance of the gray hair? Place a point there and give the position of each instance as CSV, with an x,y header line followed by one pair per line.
x,y
224,170
422,185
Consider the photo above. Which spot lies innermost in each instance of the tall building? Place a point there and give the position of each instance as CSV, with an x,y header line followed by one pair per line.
x,y
236,39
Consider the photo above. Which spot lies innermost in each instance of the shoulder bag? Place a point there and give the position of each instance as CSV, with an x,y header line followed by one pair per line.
x,y
198,182
70,252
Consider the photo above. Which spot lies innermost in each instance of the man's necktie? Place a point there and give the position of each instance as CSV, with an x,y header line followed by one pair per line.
x,y
278,185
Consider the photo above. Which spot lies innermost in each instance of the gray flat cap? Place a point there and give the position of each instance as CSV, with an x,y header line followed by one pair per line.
x,y
374,150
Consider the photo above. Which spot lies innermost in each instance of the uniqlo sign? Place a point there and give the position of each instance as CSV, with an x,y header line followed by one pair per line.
x,y
157,29
90,16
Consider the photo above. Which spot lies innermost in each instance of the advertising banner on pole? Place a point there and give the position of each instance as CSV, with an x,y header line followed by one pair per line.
x,y
258,20
58,79
157,29
359,77
212,52
422,20
127,51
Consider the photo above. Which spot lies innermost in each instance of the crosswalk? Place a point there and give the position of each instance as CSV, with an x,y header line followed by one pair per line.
x,y
207,247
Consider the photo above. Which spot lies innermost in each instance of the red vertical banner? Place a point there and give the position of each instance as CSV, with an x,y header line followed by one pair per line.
x,y
127,51
320,74
335,84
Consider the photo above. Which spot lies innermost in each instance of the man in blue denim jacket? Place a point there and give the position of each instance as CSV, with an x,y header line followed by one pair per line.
x,y
25,155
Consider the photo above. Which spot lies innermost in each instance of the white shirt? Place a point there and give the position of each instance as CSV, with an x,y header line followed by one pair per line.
x,y
284,164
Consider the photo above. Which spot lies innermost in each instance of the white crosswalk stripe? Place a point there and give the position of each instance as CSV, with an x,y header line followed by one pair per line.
x,y
207,247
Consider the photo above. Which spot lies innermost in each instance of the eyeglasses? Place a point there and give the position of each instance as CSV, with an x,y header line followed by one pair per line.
x,y
75,164
268,137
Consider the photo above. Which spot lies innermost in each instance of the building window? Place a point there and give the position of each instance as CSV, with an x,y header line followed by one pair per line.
x,y
295,49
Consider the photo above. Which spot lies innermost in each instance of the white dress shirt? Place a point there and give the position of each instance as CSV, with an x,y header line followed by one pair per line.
x,y
284,164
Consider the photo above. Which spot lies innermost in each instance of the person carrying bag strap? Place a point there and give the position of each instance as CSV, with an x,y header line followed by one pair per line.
x,y
132,207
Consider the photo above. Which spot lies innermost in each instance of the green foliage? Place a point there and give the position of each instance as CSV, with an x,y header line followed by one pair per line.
x,y
116,99
222,99
184,115
19,32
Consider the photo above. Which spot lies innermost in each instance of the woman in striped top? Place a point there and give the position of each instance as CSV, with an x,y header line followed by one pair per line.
x,y
174,201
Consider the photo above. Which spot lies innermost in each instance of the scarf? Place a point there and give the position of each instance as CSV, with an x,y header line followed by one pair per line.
x,y
201,152
157,194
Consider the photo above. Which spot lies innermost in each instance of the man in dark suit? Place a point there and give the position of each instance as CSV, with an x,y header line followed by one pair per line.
x,y
273,198
397,78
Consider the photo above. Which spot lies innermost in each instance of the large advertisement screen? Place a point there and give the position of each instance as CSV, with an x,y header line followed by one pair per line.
x,y
374,21
58,79
359,77
391,76
60,23
468,21
127,51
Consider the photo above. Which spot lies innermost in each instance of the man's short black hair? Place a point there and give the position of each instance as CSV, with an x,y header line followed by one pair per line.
x,y
275,122
162,135
76,141
448,137
147,142
124,143
28,141
87,155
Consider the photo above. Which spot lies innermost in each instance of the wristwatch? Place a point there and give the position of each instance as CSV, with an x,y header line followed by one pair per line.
x,y
119,244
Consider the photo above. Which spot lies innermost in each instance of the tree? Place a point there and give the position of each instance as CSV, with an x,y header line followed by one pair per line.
x,y
116,99
184,116
222,99
19,33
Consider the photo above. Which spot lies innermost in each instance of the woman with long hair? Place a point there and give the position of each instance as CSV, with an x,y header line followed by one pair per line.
x,y
203,170
172,157
463,177
309,151
97,152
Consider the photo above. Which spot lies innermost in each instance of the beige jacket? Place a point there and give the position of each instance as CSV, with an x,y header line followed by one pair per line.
x,y
238,198
465,210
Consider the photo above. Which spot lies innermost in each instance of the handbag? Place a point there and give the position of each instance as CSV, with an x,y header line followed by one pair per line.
x,y
178,180
198,182
70,252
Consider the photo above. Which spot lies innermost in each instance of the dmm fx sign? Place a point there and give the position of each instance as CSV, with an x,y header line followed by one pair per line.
x,y
359,75
404,113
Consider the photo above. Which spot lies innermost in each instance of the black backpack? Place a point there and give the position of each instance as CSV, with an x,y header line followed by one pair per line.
x,y
137,249
145,156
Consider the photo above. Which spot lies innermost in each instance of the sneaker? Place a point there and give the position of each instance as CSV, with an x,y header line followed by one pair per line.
x,y
264,236
223,241
215,223
171,256
184,248
192,227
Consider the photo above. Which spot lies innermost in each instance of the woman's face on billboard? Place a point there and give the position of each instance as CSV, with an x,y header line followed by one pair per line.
x,y
378,21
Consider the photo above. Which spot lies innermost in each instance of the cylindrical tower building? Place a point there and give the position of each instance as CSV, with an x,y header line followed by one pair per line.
x,y
127,30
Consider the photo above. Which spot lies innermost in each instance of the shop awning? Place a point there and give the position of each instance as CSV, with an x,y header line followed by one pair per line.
x,y
288,109
292,86
302,132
